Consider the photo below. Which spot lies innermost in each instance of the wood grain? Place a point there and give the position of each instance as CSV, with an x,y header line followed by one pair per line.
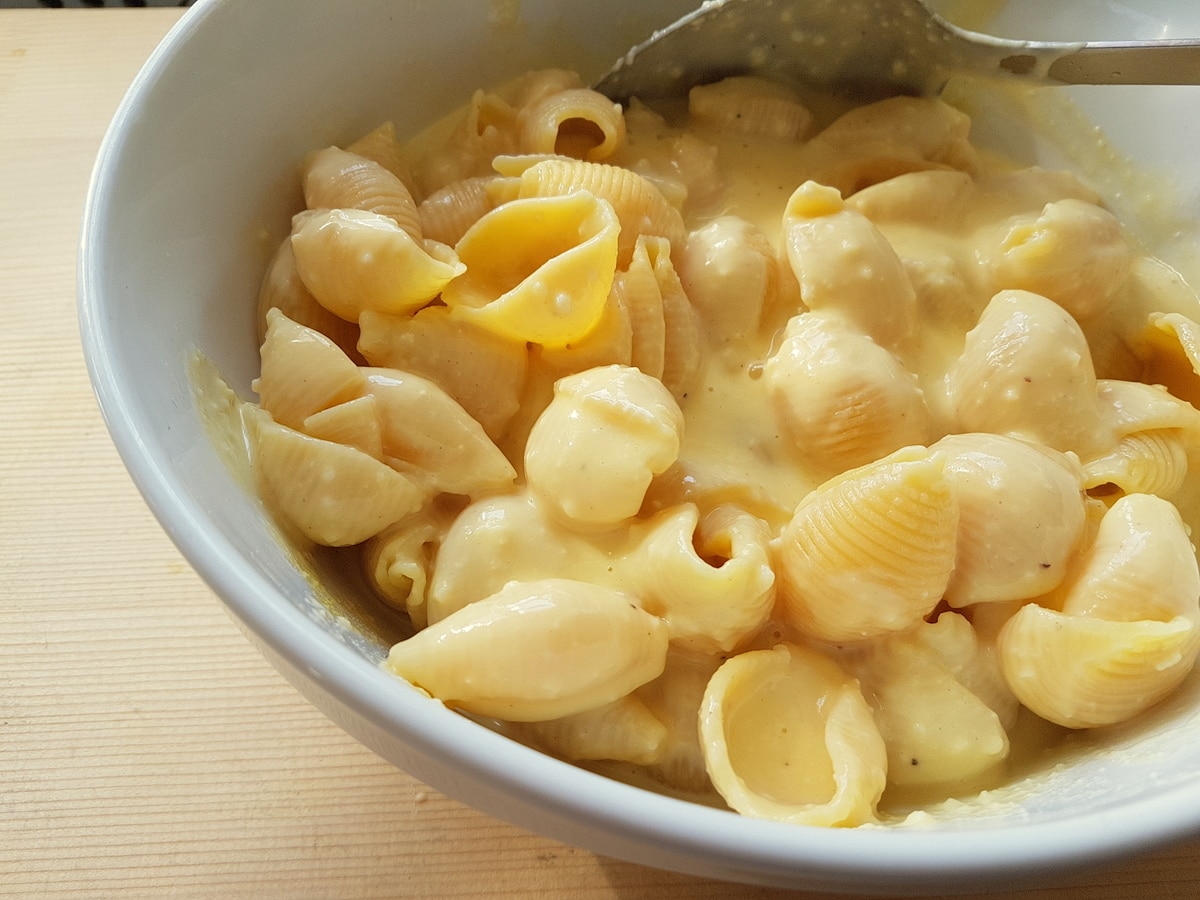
x,y
146,750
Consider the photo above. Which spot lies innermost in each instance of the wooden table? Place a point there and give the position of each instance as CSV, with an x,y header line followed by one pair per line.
x,y
146,750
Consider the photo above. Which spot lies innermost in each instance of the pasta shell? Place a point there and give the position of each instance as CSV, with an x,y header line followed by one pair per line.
x,y
641,208
283,289
1072,252
609,343
843,400
751,106
871,550
333,494
1084,672
937,731
354,423
967,649
872,143
337,179
446,215
1021,517
382,146
488,129
729,272
536,651
579,122
1145,462
710,580
788,736
1026,371
1140,566
538,270
482,371
427,430
844,263
674,698
353,260
505,538
303,372
593,452
637,290
624,730
682,348
399,560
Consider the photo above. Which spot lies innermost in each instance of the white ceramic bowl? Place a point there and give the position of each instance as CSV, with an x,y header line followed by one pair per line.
x,y
194,185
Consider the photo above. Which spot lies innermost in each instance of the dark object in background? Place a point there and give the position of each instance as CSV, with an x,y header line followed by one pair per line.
x,y
87,4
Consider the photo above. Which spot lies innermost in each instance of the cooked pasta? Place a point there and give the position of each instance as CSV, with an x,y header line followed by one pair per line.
x,y
789,462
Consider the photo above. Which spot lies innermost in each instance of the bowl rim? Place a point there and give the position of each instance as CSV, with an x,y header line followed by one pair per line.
x,y
965,857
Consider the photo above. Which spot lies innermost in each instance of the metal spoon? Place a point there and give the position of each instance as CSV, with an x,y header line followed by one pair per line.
x,y
872,48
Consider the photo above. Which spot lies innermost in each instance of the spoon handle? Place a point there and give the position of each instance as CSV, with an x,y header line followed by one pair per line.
x,y
1145,62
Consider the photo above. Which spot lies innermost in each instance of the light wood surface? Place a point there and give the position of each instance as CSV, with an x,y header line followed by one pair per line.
x,y
146,750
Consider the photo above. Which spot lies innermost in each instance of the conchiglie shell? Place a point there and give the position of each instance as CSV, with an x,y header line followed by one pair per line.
x,y
873,143
399,560
505,538
640,207
844,263
843,400
580,123
1084,672
1021,517
682,341
730,273
788,736
382,146
674,698
592,453
536,651
424,427
966,647
710,580
353,260
609,343
751,106
488,129
624,730
537,270
354,423
1073,252
283,289
871,550
1026,370
333,494
1141,565
447,214
483,372
1145,462
303,372
337,179
937,731
638,292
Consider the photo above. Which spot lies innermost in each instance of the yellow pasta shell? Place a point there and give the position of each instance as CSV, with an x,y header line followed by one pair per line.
x,y
538,270
871,550
354,423
381,145
624,730
578,122
752,106
536,651
640,206
788,736
447,214
1084,672
1145,462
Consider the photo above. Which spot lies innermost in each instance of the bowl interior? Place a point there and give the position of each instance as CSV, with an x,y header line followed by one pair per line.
x,y
193,191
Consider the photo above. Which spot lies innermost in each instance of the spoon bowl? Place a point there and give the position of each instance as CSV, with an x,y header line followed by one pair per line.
x,y
867,49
